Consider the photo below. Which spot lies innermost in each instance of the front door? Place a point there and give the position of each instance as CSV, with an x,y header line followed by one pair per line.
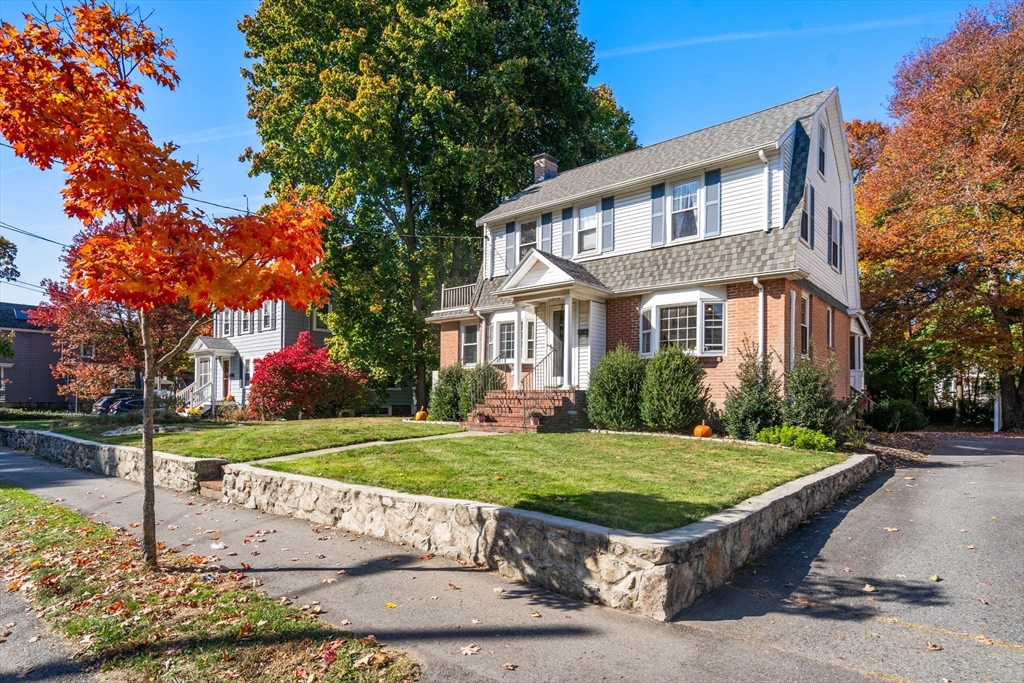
x,y
557,344
225,382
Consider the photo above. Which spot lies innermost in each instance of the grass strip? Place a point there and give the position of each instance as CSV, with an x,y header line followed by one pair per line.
x,y
190,621
244,441
644,484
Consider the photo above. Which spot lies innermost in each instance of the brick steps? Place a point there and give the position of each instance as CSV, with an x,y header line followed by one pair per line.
x,y
559,410
212,489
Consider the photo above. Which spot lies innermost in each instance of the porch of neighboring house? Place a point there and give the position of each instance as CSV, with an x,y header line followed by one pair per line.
x,y
215,360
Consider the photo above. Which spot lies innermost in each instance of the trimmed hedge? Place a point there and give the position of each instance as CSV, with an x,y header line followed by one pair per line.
x,y
896,415
673,397
613,399
797,437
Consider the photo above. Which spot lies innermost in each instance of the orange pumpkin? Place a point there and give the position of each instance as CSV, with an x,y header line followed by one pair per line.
x,y
421,415
702,430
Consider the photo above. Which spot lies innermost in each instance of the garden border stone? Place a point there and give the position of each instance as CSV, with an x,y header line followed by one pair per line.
x,y
657,575
170,471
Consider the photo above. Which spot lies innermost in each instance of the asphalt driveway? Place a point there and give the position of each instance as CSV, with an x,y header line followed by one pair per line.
x,y
799,616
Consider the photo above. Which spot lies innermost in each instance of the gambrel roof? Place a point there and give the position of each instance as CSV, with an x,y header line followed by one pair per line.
x,y
745,135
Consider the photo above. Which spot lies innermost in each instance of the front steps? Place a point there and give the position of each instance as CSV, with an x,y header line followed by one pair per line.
x,y
509,411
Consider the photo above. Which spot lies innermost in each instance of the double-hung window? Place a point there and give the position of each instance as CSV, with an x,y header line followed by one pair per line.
x,y
677,326
267,315
507,340
822,137
646,330
527,237
225,319
531,335
319,324
833,240
469,344
586,236
805,326
805,222
829,324
714,328
246,320
684,210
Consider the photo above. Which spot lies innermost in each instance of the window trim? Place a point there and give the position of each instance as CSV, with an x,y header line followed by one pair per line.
x,y
834,250
226,319
520,255
805,216
578,231
463,344
316,318
245,326
267,316
650,318
705,351
696,208
529,339
805,326
501,342
830,327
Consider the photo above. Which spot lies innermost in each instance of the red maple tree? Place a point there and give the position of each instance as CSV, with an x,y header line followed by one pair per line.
x,y
70,93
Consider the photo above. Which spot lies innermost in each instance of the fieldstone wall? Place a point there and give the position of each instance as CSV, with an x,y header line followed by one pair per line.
x,y
657,575
169,471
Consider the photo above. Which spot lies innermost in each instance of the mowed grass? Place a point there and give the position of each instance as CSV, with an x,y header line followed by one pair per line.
x,y
637,483
241,442
192,621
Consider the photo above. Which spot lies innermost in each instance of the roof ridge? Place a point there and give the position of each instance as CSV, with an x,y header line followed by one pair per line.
x,y
683,135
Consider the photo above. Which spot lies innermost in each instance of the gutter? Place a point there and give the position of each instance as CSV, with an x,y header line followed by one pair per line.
x,y
760,319
767,190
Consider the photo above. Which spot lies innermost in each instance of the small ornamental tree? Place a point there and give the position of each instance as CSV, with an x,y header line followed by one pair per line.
x,y
301,380
673,397
756,402
613,399
70,94
446,398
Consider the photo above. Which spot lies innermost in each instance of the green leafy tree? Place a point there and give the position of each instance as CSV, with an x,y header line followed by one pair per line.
x,y
446,398
9,272
411,120
810,398
756,402
613,399
674,397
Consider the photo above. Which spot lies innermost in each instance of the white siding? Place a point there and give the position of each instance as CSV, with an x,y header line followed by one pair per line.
x,y
581,351
597,332
828,194
498,238
743,198
540,274
632,222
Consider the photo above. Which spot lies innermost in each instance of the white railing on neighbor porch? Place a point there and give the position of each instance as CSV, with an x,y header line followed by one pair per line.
x,y
195,395
456,297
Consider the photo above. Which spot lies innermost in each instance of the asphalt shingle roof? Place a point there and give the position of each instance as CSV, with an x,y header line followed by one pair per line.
x,y
722,141
216,343
15,316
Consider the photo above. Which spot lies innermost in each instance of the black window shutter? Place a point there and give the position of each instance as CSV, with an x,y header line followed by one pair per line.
x,y
608,224
567,233
831,244
510,247
657,215
840,246
545,233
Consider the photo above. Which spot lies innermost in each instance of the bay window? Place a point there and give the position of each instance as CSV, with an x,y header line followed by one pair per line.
x,y
677,326
684,210
714,328
697,325
586,237
645,332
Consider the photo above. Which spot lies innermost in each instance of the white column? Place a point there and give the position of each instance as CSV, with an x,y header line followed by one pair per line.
x,y
518,336
569,336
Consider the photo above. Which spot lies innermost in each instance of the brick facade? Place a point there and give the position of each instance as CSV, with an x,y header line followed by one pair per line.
x,y
449,343
623,323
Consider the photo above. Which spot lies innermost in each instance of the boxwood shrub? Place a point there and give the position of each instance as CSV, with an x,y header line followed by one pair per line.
x,y
797,437
673,397
446,398
613,399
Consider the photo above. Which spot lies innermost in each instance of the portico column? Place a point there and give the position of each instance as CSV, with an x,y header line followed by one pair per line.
x,y
569,336
518,339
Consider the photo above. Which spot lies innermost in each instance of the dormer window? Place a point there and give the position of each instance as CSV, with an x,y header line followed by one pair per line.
x,y
527,237
586,239
684,210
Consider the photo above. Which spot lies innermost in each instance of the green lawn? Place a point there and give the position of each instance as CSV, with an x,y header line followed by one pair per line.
x,y
643,484
251,440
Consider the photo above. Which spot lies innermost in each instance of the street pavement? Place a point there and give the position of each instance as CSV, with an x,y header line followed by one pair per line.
x,y
797,616
31,651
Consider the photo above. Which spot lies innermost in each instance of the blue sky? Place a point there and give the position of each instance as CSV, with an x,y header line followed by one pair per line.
x,y
676,66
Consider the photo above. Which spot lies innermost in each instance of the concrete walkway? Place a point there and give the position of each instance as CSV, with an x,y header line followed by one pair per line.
x,y
365,444
800,616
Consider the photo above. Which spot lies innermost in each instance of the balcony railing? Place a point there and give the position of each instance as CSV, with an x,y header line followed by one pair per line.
x,y
456,297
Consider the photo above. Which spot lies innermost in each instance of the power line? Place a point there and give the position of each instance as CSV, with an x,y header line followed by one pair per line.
x,y
21,286
246,211
8,226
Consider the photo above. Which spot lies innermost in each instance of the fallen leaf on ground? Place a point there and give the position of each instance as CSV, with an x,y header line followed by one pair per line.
x,y
134,525
847,570
453,586
474,621
330,579
33,639
535,615
470,649
891,528
972,547
428,556
390,605
868,588
909,478
932,646
498,590
935,577
345,622
510,666
983,601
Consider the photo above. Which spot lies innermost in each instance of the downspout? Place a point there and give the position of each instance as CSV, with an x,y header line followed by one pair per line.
x,y
760,319
767,191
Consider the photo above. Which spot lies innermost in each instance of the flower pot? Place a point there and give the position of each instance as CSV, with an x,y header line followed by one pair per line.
x,y
534,420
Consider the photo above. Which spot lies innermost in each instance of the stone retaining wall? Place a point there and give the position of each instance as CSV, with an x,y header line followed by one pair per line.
x,y
169,471
657,575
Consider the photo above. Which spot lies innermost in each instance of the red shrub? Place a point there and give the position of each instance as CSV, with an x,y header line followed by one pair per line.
x,y
302,379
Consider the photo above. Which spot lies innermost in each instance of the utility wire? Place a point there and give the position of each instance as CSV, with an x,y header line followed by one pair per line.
x,y
246,211
8,226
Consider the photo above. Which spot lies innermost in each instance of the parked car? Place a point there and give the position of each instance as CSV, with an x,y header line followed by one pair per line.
x,y
102,405
125,405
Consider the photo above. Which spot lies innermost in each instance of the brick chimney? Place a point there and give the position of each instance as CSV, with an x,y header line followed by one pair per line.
x,y
544,166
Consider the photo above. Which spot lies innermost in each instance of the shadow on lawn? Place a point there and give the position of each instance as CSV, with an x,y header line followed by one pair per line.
x,y
637,512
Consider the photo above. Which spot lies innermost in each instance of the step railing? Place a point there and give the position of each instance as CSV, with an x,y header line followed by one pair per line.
x,y
540,371
194,395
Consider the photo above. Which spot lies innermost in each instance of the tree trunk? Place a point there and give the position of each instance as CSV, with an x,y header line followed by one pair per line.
x,y
958,415
148,491
1011,398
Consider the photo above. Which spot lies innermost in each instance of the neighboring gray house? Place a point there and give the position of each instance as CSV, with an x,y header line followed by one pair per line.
x,y
26,380
225,361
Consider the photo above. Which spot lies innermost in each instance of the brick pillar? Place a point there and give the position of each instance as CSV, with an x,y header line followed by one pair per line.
x,y
622,323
